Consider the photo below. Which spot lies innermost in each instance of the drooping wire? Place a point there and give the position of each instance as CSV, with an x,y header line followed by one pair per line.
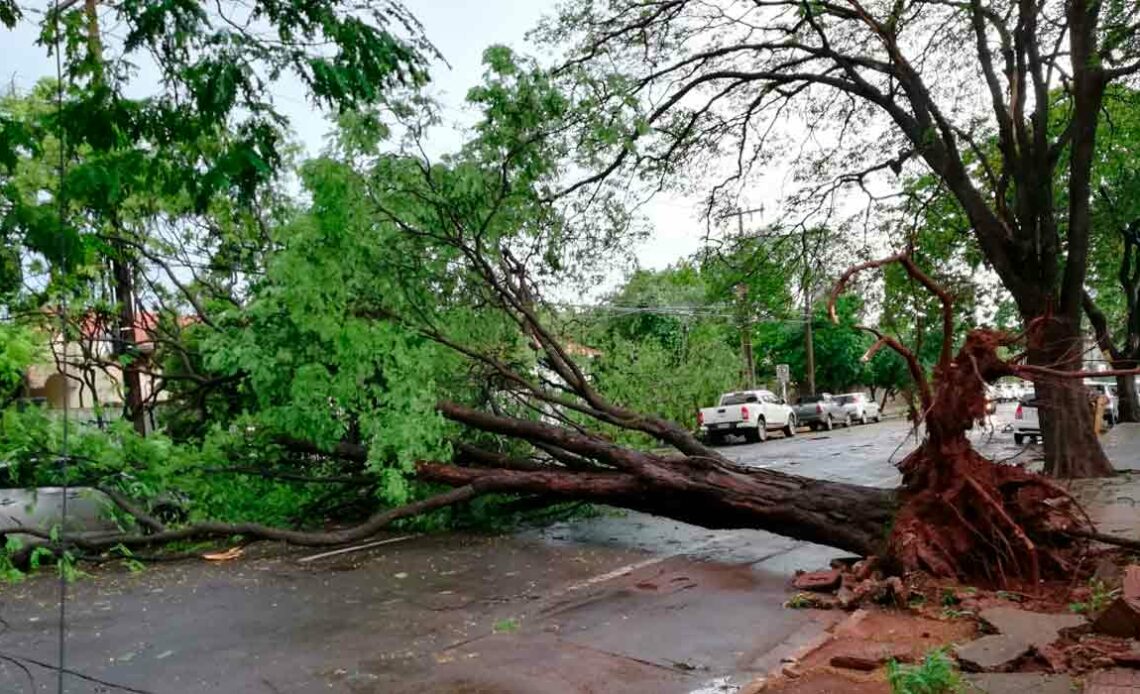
x,y
64,443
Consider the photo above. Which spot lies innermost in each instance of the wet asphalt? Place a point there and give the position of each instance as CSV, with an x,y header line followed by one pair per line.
x,y
619,602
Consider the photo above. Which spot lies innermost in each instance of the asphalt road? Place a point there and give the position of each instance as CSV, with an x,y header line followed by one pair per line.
x,y
621,602
867,454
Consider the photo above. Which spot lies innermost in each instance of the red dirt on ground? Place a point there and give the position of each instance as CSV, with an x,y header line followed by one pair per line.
x,y
1048,596
875,634
831,681
889,634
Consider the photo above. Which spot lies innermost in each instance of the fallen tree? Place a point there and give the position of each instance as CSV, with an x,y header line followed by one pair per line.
x,y
956,514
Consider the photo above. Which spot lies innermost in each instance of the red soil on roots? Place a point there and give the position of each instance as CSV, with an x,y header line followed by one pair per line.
x,y
964,516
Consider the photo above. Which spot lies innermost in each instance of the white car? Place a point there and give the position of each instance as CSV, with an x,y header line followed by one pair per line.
x,y
1006,392
859,408
1020,390
750,413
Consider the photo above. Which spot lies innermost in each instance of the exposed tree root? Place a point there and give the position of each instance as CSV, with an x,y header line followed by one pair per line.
x,y
962,515
1105,538
976,519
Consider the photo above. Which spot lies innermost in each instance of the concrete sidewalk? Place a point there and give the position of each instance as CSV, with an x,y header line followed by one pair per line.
x,y
1112,501
1122,445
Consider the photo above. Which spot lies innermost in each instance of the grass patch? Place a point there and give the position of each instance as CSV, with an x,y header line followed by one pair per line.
x,y
1099,597
936,674
505,626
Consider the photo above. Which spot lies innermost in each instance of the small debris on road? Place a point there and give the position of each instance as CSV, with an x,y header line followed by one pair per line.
x,y
356,548
229,554
854,662
1121,618
818,581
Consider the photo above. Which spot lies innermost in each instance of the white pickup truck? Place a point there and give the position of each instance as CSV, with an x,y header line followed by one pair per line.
x,y
749,413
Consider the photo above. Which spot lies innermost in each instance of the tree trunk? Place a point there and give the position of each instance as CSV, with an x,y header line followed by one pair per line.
x,y
1071,446
1128,405
126,346
850,517
1068,431
701,488
706,493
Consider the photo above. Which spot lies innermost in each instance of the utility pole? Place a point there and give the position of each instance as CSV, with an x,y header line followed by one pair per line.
x,y
746,336
745,320
809,345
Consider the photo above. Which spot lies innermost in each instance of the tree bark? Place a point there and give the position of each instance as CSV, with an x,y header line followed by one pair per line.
x,y
1072,449
1128,404
850,517
126,346
702,492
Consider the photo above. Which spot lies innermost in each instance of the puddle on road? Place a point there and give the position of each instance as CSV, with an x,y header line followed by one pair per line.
x,y
720,685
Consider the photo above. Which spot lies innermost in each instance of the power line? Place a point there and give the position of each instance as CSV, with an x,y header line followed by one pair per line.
x,y
693,311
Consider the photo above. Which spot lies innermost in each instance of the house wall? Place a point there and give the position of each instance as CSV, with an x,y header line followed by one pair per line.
x,y
83,390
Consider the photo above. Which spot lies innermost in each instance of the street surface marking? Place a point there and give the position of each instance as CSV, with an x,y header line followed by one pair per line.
x,y
635,566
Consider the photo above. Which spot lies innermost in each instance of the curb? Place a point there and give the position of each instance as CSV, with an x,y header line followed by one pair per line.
x,y
790,661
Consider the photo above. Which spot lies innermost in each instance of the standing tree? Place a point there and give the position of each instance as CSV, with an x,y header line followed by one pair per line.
x,y
1114,273
877,86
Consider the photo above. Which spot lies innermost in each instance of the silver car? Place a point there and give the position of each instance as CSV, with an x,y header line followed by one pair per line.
x,y
859,407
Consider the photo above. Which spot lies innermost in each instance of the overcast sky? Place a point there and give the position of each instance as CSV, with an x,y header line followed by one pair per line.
x,y
461,30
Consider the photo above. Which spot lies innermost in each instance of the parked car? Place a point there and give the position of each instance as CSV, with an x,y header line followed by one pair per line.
x,y
750,413
819,411
1005,392
1011,391
859,407
1026,423
1026,420
1020,389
